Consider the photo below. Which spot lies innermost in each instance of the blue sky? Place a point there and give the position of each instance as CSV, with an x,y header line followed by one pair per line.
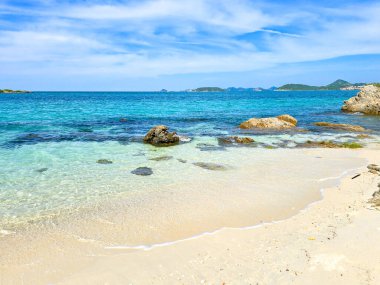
x,y
180,44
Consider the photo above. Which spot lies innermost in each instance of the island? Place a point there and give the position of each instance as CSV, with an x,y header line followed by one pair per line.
x,y
9,91
336,85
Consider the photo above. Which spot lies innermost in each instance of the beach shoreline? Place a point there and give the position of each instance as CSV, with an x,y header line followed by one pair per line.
x,y
334,241
92,252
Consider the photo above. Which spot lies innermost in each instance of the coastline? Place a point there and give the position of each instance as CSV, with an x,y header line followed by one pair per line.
x,y
336,240
95,259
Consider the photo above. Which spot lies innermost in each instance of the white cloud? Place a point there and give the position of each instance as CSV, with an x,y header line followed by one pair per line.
x,y
150,38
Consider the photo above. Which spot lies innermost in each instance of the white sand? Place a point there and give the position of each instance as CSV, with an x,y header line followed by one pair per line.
x,y
334,241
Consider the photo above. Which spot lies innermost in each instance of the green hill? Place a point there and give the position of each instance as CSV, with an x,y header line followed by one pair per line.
x,y
336,85
298,87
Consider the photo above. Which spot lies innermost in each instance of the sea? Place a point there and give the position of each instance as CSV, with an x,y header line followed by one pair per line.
x,y
50,144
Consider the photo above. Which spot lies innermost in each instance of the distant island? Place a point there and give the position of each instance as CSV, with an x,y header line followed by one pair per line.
x,y
336,85
13,91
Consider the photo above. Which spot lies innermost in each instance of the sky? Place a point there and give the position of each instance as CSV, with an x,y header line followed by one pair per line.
x,y
179,44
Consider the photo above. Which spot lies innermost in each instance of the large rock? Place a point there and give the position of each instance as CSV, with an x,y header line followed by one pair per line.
x,y
367,101
159,136
278,123
346,127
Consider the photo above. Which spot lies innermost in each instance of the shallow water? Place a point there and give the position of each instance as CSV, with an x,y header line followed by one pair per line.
x,y
50,143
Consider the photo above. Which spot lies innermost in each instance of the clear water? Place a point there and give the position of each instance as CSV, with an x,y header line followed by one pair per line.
x,y
65,133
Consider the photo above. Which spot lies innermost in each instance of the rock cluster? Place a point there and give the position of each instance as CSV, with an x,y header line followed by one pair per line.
x,y
277,123
160,136
367,101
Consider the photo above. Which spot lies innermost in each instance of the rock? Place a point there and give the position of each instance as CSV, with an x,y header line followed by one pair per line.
x,y
142,171
329,144
159,136
367,101
210,166
277,123
161,158
288,118
104,161
322,144
239,140
209,147
374,167
41,170
346,127
375,200
363,136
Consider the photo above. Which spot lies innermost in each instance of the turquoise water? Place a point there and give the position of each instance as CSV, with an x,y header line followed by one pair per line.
x,y
50,141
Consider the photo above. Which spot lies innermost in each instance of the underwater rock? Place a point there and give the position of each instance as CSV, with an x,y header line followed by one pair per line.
x,y
159,136
104,161
277,123
142,171
210,166
231,140
329,144
346,127
367,101
161,158
209,147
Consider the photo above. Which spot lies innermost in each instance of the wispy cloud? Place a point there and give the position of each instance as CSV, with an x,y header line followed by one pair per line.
x,y
152,38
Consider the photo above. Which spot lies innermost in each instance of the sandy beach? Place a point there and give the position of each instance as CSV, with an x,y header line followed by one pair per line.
x,y
335,240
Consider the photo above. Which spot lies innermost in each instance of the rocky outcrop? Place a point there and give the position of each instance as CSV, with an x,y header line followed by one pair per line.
x,y
288,118
160,136
367,101
345,127
277,123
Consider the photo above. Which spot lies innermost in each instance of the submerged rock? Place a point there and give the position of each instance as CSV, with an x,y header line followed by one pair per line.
x,y
329,144
367,101
276,123
142,171
161,158
210,166
231,140
363,136
159,136
209,147
346,127
104,161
